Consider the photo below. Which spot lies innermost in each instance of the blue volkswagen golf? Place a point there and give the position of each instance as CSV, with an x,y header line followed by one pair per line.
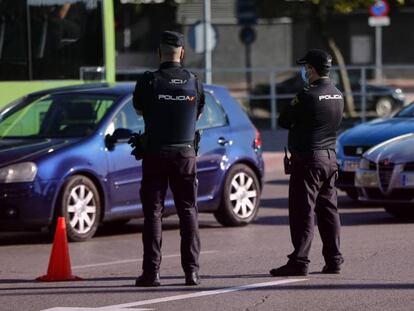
x,y
64,152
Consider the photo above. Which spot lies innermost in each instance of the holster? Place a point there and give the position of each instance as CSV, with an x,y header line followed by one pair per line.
x,y
139,144
287,163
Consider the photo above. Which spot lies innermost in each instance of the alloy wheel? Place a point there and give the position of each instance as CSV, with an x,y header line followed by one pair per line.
x,y
243,195
81,209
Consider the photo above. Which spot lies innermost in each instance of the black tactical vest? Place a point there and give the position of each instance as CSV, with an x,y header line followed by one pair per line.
x,y
170,118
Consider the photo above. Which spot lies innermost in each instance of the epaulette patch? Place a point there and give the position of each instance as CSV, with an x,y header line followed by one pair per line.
x,y
294,101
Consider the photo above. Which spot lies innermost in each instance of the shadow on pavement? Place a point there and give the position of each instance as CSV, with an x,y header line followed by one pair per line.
x,y
78,284
119,289
347,219
37,237
282,182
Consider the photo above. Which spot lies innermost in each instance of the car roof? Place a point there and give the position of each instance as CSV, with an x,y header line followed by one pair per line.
x,y
119,89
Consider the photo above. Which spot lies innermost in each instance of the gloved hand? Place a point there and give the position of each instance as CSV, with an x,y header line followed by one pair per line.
x,y
134,139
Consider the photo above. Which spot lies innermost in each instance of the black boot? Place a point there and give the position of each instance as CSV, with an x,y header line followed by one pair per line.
x,y
192,278
290,269
331,269
148,280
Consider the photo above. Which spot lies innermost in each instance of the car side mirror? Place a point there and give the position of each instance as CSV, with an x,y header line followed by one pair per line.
x,y
120,135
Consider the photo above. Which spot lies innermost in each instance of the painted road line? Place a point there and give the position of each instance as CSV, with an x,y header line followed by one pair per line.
x,y
200,294
92,309
133,306
118,262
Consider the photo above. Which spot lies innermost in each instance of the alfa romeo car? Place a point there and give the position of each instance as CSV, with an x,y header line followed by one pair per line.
x,y
352,143
64,152
386,175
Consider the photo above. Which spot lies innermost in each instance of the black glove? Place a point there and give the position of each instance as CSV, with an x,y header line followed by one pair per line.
x,y
133,139
138,143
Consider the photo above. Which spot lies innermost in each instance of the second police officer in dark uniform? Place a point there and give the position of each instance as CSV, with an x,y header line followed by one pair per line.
x,y
171,100
313,118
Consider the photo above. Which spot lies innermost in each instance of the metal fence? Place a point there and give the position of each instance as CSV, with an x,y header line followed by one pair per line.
x,y
264,91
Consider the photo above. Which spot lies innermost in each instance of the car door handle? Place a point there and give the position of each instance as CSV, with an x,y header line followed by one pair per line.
x,y
222,141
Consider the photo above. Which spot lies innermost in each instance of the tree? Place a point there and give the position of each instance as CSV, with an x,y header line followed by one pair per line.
x,y
321,13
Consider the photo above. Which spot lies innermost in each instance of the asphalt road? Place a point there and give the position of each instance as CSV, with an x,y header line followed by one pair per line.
x,y
378,273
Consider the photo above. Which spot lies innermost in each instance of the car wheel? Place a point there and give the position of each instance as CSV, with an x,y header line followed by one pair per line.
x,y
241,197
81,206
384,106
400,212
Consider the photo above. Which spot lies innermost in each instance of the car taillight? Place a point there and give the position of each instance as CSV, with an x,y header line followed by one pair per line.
x,y
257,144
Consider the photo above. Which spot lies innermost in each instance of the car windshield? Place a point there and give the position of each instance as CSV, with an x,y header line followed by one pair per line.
x,y
55,116
407,112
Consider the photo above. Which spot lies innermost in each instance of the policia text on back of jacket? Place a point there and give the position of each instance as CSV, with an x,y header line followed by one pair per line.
x,y
171,100
313,119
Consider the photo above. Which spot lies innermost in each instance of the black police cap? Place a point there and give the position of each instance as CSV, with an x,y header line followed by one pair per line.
x,y
316,58
172,38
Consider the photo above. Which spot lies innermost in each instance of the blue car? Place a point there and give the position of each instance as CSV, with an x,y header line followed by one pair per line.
x,y
352,143
64,152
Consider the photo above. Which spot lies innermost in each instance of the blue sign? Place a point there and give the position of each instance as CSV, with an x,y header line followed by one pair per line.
x,y
246,12
379,8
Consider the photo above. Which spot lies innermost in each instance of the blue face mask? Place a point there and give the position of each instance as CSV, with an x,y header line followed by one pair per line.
x,y
304,75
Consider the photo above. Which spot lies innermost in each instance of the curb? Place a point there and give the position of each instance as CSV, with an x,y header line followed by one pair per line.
x,y
273,161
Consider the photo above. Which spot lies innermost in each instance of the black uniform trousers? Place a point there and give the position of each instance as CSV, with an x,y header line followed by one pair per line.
x,y
176,168
312,191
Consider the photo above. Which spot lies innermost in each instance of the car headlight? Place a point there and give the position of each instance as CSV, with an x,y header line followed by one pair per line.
x,y
398,94
21,172
364,164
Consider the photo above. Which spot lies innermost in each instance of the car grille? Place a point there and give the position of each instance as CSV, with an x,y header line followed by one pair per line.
x,y
385,170
409,167
396,194
355,151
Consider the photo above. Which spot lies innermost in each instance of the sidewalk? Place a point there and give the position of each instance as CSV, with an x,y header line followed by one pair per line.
x,y
273,142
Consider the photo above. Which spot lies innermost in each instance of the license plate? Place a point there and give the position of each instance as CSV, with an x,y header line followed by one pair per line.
x,y
351,166
407,180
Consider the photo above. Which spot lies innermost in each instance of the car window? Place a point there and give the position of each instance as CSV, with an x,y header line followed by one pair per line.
x,y
407,112
55,116
213,114
127,118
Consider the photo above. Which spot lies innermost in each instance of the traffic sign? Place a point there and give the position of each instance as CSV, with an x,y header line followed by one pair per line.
x,y
196,37
247,35
379,8
378,21
246,12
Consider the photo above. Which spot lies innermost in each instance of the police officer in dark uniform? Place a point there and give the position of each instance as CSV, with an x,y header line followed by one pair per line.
x,y
171,100
313,118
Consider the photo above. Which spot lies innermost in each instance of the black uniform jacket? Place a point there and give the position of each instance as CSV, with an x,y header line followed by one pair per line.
x,y
313,117
143,96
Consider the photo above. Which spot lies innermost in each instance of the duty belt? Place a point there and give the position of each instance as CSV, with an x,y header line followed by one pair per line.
x,y
323,152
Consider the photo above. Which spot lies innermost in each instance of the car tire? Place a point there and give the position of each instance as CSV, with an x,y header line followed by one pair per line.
x,y
400,212
240,198
80,205
384,106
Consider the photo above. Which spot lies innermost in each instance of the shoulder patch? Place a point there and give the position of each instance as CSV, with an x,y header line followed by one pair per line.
x,y
294,101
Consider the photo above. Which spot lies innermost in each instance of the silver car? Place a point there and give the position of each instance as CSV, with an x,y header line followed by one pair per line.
x,y
386,175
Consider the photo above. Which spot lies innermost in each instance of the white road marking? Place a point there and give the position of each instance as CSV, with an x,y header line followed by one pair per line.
x,y
91,309
118,262
201,294
132,305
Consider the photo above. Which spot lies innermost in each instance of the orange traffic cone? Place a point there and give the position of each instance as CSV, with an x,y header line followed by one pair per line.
x,y
59,262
